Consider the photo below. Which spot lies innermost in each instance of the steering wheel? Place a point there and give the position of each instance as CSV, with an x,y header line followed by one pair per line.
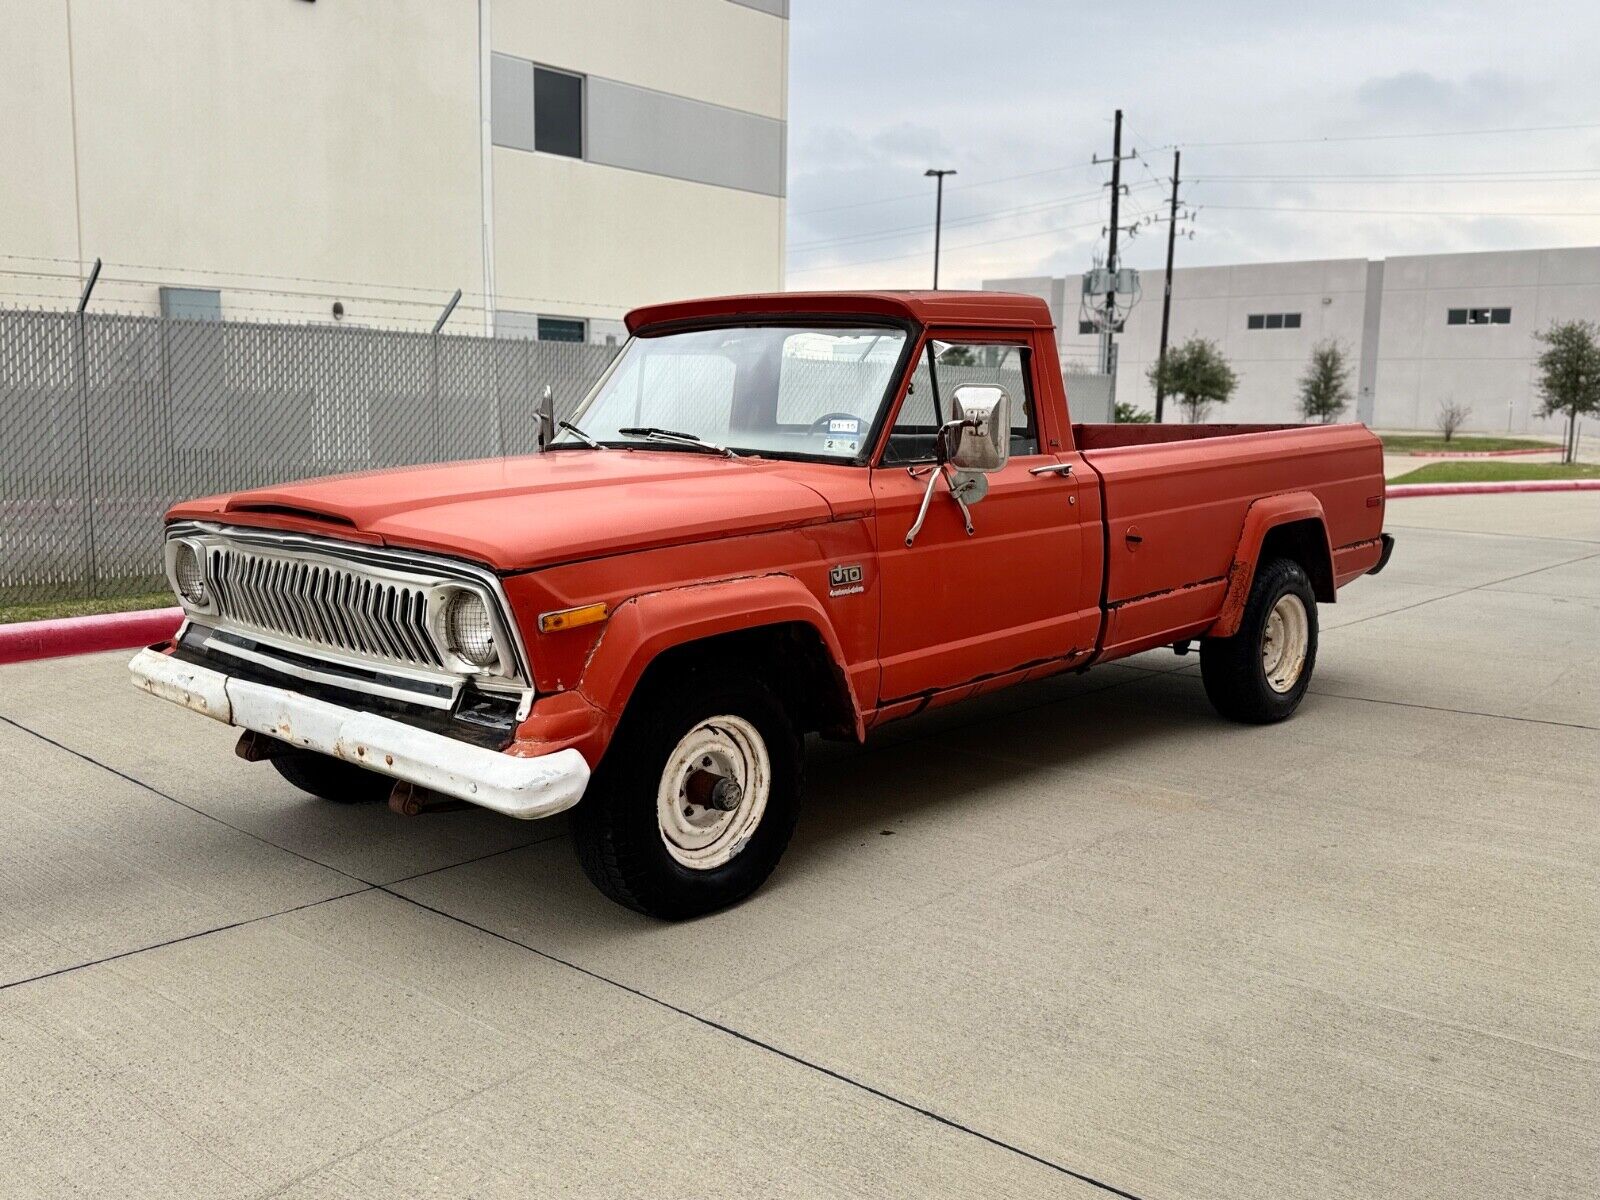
x,y
822,423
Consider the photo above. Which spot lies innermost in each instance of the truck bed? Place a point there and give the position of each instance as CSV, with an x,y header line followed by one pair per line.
x,y
1175,499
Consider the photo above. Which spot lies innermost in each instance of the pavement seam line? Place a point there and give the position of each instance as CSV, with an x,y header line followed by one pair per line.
x,y
750,1039
1477,587
186,937
467,862
155,791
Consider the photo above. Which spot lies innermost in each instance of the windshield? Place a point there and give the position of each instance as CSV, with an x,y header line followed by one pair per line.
x,y
765,389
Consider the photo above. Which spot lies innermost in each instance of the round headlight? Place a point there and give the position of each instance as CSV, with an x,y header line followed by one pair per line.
x,y
469,630
189,575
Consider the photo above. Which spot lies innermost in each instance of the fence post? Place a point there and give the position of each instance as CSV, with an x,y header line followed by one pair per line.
x,y
91,581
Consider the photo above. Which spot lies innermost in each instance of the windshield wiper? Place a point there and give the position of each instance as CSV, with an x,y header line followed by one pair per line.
x,y
654,433
579,434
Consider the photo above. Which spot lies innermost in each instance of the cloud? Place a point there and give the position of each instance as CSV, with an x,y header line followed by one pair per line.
x,y
1017,96
1421,96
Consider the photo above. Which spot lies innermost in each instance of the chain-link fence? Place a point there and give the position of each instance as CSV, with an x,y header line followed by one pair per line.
x,y
108,419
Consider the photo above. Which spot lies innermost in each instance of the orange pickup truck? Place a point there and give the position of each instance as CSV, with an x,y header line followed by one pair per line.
x,y
773,516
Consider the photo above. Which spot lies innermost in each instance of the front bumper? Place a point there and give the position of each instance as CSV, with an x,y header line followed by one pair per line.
x,y
519,787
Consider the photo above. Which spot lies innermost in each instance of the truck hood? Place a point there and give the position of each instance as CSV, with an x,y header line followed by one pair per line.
x,y
519,513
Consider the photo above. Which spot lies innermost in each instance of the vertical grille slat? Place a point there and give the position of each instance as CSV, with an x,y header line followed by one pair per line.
x,y
324,605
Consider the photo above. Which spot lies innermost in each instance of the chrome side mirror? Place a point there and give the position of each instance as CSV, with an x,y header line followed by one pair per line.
x,y
975,441
980,437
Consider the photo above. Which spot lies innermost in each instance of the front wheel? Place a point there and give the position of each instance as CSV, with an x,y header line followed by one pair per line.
x,y
696,798
1261,673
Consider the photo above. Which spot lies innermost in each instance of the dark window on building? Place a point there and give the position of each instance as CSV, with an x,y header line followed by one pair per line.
x,y
1478,316
562,329
1272,321
557,112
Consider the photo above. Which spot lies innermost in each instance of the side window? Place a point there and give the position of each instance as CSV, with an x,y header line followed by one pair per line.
x,y
942,368
1005,365
911,438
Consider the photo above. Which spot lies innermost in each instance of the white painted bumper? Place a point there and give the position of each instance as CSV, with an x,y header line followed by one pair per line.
x,y
519,787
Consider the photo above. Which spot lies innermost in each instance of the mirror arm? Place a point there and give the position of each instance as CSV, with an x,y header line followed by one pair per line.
x,y
927,498
961,502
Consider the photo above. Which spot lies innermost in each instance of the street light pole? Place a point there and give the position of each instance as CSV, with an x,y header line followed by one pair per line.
x,y
938,214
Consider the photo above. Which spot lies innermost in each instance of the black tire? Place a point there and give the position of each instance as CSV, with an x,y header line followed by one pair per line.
x,y
1232,668
330,779
616,829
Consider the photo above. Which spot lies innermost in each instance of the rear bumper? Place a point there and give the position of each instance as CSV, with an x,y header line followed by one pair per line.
x,y
518,787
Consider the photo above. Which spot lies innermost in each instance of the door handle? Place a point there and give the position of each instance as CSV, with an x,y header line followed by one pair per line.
x,y
1053,469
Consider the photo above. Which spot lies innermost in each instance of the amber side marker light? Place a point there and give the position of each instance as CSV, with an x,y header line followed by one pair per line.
x,y
571,618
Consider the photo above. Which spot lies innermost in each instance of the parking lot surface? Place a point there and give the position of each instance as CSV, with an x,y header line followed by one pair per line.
x,y
1077,939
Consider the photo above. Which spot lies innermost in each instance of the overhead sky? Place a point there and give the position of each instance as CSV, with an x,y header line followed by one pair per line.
x,y
1017,96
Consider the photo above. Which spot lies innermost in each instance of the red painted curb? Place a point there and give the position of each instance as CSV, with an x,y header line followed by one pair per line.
x,y
27,640
1399,491
1481,453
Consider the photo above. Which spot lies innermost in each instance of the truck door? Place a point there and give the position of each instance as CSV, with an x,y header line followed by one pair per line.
x,y
957,609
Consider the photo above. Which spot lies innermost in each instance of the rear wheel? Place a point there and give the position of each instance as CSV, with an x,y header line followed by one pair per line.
x,y
696,798
330,778
1261,673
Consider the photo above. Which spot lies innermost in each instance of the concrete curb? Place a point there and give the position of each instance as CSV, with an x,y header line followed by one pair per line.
x,y
1480,453
62,636
1399,491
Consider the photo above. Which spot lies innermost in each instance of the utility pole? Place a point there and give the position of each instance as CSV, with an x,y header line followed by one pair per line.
x,y
1166,293
938,214
1111,253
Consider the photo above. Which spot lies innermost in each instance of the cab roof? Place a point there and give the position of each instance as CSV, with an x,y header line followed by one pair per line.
x,y
1007,310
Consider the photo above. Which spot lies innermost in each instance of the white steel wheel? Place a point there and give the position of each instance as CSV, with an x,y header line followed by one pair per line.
x,y
1284,641
713,792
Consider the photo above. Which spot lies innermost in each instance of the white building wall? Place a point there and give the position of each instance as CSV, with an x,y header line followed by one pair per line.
x,y
291,155
1420,360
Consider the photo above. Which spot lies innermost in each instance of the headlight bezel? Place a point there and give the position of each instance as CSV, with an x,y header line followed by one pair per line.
x,y
442,606
469,630
177,549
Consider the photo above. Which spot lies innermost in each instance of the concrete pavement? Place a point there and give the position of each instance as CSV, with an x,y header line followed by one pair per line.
x,y
1076,939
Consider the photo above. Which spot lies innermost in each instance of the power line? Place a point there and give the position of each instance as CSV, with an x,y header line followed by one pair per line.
x,y
978,219
977,183
1394,212
1469,176
1383,137
964,246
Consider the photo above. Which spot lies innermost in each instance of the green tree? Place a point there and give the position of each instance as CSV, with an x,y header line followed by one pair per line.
x,y
1569,374
1197,374
1132,414
1325,387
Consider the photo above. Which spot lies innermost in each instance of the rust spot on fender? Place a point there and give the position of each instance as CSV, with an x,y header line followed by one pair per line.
x,y
1233,601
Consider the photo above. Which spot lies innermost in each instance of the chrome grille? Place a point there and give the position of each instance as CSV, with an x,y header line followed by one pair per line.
x,y
321,604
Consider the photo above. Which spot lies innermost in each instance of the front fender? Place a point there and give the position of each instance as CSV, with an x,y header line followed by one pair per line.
x,y
1261,518
644,626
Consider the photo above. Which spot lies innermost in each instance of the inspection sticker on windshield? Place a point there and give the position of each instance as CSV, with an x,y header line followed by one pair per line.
x,y
842,445
844,425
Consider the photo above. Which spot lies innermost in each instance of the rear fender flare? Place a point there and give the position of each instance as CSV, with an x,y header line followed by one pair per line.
x,y
643,627
1260,519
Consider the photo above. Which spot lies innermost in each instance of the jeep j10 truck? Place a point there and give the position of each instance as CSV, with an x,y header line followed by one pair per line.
x,y
772,516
